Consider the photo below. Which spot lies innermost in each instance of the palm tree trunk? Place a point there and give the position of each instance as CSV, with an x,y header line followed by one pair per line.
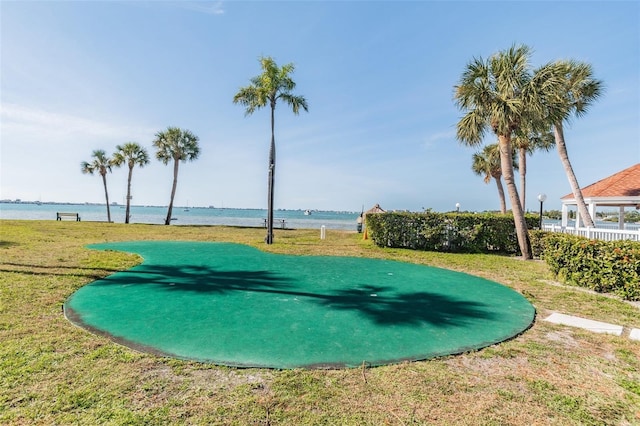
x,y
503,203
106,196
573,181
126,213
176,163
506,164
271,177
272,172
522,170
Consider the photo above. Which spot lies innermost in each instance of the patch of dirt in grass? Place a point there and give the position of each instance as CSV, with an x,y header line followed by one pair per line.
x,y
563,338
495,366
215,379
159,382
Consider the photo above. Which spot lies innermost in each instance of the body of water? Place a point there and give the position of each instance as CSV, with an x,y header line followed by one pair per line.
x,y
206,216
296,219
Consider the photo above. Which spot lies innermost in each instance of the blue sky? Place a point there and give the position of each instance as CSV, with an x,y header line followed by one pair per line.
x,y
378,76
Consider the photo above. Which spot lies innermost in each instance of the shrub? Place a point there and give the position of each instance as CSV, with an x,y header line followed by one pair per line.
x,y
450,232
538,241
603,266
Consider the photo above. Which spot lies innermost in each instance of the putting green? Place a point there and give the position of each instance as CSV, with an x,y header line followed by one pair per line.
x,y
234,305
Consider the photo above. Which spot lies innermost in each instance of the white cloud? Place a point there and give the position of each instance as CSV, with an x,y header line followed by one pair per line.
x,y
206,7
20,123
432,140
54,144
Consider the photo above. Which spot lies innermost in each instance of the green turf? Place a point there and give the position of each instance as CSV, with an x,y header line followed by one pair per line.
x,y
234,305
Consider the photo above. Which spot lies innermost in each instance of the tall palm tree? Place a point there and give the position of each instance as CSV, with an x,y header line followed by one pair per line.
x,y
569,88
132,154
527,142
487,163
275,83
101,164
175,144
496,94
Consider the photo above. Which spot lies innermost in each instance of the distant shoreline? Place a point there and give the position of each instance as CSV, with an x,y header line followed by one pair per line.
x,y
115,204
181,215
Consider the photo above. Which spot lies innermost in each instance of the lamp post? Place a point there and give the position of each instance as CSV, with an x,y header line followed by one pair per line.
x,y
541,198
457,207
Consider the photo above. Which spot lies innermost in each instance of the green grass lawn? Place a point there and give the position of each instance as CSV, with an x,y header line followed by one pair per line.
x,y
52,372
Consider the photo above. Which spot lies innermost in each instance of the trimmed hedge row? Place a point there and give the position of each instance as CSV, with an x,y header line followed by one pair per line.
x,y
603,266
449,232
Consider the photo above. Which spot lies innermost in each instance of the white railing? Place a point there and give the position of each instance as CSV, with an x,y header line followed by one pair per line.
x,y
614,225
596,233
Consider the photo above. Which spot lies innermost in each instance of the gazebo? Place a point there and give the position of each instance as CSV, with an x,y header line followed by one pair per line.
x,y
620,190
375,209
372,210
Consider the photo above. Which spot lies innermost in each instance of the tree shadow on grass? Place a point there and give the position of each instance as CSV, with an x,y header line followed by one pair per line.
x,y
55,270
381,304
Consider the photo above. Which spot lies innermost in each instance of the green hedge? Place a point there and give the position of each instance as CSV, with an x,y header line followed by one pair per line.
x,y
603,266
538,241
450,232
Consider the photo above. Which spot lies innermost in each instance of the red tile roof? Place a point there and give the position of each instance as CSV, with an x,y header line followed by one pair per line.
x,y
622,184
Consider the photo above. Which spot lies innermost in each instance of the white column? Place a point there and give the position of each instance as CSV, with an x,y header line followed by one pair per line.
x,y
578,219
621,218
592,212
565,215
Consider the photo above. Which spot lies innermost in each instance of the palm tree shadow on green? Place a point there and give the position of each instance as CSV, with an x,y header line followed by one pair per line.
x,y
381,304
275,83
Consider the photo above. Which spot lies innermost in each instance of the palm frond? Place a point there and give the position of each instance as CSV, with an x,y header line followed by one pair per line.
x,y
176,144
132,154
471,128
100,163
273,83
